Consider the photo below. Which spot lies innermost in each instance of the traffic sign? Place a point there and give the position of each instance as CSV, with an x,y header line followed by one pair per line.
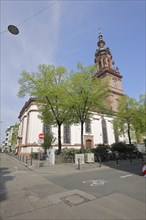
x,y
40,141
41,136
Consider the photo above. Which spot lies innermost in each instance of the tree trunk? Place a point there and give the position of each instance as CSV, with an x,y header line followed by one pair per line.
x,y
129,136
82,146
59,138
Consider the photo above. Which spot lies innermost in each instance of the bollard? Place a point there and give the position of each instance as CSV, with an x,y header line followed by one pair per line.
x,y
142,157
26,159
23,158
31,160
38,160
99,161
79,167
117,162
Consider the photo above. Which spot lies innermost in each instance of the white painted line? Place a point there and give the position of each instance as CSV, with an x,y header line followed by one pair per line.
x,y
126,176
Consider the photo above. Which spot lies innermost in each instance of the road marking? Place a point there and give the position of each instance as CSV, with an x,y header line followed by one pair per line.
x,y
126,176
16,167
95,182
19,171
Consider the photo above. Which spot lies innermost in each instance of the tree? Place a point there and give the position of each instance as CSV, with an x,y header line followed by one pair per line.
x,y
15,134
125,115
139,118
48,140
87,94
49,87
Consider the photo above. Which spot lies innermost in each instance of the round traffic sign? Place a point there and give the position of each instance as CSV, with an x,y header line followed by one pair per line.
x,y
41,136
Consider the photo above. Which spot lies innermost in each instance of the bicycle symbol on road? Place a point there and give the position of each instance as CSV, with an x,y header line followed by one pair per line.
x,y
95,182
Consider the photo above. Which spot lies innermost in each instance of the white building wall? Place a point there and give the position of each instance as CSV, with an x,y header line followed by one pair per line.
x,y
110,131
24,127
95,131
75,135
55,133
34,128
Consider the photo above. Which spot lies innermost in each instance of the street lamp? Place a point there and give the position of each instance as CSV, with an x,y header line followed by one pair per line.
x,y
13,29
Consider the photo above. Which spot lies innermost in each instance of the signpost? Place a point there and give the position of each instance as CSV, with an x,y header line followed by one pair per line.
x,y
40,142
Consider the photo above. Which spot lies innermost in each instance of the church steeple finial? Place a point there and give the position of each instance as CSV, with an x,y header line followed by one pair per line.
x,y
100,37
101,42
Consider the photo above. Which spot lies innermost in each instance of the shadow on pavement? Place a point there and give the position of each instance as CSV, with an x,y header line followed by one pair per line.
x,y
5,175
134,166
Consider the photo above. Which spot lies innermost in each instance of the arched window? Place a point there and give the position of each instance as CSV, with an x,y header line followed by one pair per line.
x,y
66,136
104,131
99,64
109,63
47,129
88,128
115,83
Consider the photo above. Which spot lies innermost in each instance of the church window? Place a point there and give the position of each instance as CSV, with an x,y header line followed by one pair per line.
x,y
66,136
115,83
88,128
47,129
99,64
109,63
104,131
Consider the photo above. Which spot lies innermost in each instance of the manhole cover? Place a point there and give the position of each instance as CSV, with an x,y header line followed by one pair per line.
x,y
74,200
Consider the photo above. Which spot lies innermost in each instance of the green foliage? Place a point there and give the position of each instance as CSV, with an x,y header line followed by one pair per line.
x,y
120,147
123,148
14,134
62,98
86,93
102,149
130,148
48,140
68,155
34,155
87,150
49,86
131,117
139,119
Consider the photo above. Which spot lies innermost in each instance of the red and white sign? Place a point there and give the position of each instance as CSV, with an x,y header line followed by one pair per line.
x,y
144,170
41,136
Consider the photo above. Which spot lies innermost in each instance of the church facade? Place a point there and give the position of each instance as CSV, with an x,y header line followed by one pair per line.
x,y
99,131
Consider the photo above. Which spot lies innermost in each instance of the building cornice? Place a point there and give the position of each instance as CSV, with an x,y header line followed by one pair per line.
x,y
26,105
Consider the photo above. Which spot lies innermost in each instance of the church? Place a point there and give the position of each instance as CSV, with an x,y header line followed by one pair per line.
x,y
99,131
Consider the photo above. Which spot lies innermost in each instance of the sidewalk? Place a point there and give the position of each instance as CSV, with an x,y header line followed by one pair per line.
x,y
66,168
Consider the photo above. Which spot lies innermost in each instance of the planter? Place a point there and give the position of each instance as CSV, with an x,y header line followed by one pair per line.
x,y
89,157
79,157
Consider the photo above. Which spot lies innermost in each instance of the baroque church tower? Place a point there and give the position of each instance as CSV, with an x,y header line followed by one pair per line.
x,y
108,72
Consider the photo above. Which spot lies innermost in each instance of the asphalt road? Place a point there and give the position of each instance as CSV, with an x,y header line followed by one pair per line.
x,y
103,182
100,193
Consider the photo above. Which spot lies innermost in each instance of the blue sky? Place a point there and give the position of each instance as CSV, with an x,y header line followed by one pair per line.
x,y
65,33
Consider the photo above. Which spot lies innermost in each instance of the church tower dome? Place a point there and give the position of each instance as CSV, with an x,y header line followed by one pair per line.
x,y
107,71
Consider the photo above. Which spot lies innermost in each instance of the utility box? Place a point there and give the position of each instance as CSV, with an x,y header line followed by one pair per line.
x,y
51,156
79,158
89,158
